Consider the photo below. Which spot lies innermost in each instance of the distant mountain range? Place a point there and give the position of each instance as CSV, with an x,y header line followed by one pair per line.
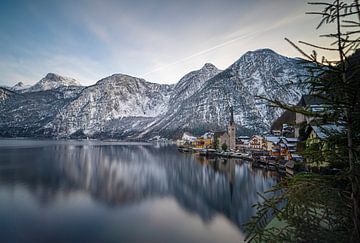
x,y
125,107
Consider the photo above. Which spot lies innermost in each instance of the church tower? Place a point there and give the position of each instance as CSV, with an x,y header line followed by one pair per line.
x,y
232,131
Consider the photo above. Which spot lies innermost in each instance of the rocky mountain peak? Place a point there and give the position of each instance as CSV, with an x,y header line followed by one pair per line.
x,y
20,84
193,81
123,106
122,80
20,87
263,63
53,81
264,51
259,55
209,66
53,77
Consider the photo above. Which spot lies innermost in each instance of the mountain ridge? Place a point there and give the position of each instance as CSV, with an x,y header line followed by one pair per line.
x,y
128,107
53,81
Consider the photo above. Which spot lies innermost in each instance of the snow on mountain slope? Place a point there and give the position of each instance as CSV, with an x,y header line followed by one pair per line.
x,y
112,98
26,114
122,106
53,81
258,73
192,82
185,88
20,87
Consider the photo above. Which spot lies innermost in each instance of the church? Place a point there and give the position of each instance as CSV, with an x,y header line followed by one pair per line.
x,y
227,137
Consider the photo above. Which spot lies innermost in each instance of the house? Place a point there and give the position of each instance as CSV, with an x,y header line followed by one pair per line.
x,y
242,143
291,144
186,139
317,133
275,151
270,142
272,145
208,139
199,143
208,135
310,103
256,142
243,139
205,141
288,147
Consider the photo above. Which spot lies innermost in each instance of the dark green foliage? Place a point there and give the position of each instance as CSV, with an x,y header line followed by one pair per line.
x,y
215,143
324,206
224,147
309,207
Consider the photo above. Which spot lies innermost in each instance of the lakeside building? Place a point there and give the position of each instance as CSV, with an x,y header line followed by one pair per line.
x,y
186,139
256,142
288,147
317,137
281,147
227,137
310,103
317,133
272,145
242,143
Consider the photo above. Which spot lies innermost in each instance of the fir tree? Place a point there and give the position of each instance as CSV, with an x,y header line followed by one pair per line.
x,y
324,207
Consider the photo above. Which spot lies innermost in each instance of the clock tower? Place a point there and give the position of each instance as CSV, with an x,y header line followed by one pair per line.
x,y
232,130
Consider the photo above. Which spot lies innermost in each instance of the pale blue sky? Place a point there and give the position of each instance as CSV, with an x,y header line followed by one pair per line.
x,y
157,40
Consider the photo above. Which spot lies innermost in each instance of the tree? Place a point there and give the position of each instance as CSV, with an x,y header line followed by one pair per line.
x,y
324,207
224,147
215,143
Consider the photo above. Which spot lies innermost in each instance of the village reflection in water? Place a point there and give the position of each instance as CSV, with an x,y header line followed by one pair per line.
x,y
117,176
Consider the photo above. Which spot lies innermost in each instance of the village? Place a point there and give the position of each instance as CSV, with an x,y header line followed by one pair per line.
x,y
279,150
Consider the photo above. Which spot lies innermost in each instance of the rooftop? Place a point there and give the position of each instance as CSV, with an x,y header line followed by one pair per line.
x,y
326,130
308,100
273,139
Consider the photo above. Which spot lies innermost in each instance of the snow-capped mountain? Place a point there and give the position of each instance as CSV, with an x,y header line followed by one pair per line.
x,y
259,73
53,81
26,114
20,87
116,97
127,107
192,82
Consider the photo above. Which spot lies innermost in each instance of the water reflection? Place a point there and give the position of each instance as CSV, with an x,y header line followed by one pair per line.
x,y
125,175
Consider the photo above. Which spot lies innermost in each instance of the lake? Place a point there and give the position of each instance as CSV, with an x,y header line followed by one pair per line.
x,y
93,191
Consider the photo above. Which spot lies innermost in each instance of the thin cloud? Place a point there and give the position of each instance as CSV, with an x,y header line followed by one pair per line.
x,y
201,53
161,40
279,24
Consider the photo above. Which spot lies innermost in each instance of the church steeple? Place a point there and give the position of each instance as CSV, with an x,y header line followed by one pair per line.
x,y
231,116
232,130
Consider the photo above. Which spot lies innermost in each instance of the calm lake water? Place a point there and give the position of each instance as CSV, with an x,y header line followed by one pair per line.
x,y
72,191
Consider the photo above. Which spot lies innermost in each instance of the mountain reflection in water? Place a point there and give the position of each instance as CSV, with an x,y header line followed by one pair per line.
x,y
121,176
